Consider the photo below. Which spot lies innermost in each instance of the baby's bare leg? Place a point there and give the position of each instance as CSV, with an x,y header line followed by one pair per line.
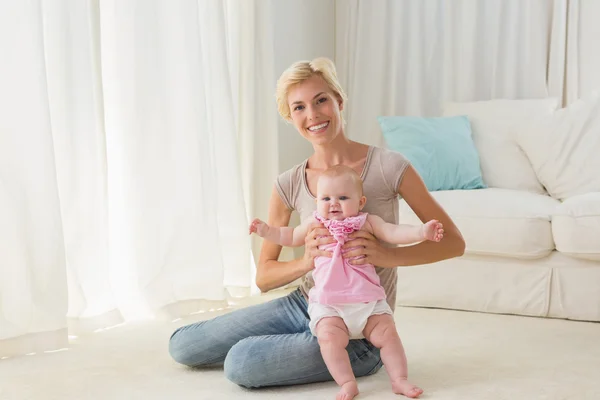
x,y
381,331
332,334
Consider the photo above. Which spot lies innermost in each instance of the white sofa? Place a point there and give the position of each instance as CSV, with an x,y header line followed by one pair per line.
x,y
533,236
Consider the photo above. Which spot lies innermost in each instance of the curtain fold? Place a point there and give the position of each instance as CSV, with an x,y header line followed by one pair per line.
x,y
33,288
176,205
252,59
582,59
71,44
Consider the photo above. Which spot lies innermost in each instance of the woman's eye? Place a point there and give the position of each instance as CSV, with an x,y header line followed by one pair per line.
x,y
297,108
322,100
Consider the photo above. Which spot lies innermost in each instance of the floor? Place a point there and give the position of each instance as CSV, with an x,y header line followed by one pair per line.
x,y
452,355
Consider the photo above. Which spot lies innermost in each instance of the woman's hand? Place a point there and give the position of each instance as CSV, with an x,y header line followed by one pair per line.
x,y
317,235
369,250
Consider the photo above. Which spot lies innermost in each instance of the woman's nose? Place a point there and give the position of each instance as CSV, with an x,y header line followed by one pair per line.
x,y
312,113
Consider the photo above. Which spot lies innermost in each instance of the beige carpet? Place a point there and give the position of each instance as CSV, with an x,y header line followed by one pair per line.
x,y
452,355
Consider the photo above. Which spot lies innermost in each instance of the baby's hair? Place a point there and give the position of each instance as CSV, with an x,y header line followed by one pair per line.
x,y
342,170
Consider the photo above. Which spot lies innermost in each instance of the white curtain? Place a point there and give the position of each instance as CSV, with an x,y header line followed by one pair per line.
x,y
252,61
33,288
582,66
177,219
407,57
74,97
119,172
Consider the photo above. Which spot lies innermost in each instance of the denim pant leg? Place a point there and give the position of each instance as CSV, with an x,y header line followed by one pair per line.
x,y
208,342
291,359
266,345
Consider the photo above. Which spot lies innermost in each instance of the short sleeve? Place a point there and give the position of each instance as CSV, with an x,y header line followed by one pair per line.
x,y
285,187
393,168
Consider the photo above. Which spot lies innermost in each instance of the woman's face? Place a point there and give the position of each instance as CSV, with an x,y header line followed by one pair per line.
x,y
315,110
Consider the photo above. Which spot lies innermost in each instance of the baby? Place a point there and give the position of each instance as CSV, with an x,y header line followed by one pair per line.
x,y
347,301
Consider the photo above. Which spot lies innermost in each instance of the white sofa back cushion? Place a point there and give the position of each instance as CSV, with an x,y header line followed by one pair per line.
x,y
493,122
564,148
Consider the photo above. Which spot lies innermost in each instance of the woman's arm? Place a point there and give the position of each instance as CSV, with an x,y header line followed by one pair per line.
x,y
415,193
272,273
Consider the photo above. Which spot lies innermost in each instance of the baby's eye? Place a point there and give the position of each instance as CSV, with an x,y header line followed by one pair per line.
x,y
343,197
325,199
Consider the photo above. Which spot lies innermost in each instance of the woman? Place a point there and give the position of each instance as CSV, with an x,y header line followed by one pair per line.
x,y
270,344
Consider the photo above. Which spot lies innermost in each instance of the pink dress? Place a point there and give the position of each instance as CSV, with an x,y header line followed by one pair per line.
x,y
336,280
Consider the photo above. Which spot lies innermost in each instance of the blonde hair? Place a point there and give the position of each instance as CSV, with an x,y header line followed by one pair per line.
x,y
342,170
301,71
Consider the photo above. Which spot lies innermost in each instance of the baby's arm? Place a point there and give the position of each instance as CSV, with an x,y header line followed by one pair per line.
x,y
283,236
406,234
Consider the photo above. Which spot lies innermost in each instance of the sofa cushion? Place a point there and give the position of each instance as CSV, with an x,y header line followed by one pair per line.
x,y
503,163
499,222
576,226
563,148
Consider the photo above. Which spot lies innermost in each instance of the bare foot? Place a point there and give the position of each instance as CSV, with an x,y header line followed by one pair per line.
x,y
402,386
348,391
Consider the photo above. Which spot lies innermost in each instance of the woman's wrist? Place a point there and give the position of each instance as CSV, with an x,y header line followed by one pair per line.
x,y
389,257
306,264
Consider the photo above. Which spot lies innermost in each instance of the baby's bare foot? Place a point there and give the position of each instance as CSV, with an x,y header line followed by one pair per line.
x,y
348,391
402,386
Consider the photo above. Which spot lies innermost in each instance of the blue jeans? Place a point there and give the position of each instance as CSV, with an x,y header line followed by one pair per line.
x,y
268,344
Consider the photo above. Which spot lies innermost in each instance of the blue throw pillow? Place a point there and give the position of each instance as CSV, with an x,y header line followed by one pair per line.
x,y
440,149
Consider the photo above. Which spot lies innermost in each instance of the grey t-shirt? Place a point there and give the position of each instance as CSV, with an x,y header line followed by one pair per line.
x,y
381,176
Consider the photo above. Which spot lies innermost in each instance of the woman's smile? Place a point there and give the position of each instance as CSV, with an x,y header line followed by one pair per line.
x,y
318,128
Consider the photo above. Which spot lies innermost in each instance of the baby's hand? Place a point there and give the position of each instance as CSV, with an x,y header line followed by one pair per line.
x,y
259,227
433,230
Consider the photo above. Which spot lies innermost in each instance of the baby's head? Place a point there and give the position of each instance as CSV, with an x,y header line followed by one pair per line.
x,y
339,193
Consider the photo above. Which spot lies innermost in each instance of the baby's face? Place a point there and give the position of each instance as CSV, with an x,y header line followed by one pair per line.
x,y
338,197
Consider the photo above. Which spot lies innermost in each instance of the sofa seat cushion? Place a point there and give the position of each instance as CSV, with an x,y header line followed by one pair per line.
x,y
576,226
500,222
